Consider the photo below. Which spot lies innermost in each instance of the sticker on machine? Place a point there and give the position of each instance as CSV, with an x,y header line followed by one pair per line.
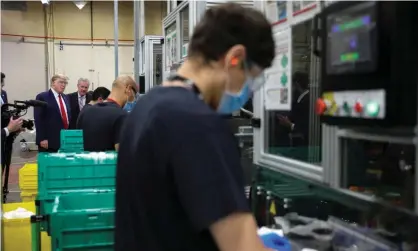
x,y
284,96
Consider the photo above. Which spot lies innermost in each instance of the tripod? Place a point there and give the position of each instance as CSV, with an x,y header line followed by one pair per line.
x,y
6,161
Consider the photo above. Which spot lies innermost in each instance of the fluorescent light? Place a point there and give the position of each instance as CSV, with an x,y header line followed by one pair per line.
x,y
80,4
45,1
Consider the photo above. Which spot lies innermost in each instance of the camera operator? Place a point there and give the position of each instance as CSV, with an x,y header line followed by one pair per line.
x,y
8,126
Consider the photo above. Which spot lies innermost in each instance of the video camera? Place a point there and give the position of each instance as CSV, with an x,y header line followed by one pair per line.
x,y
19,109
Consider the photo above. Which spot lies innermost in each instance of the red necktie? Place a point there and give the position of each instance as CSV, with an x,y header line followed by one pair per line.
x,y
63,113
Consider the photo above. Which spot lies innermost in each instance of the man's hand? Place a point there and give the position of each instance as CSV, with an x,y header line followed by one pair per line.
x,y
285,121
15,125
44,144
237,231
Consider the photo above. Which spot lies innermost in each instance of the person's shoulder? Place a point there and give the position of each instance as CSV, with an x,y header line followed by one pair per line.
x,y
43,94
181,108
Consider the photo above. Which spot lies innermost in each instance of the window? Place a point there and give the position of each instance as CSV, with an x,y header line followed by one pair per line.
x,y
296,132
170,45
380,169
184,29
143,56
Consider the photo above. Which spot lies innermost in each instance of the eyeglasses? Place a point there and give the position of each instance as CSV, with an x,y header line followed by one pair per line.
x,y
259,80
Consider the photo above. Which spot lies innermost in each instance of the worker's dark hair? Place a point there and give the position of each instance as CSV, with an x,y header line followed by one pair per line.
x,y
3,76
231,24
301,78
100,92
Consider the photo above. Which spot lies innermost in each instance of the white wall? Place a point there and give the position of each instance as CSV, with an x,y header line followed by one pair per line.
x,y
25,75
29,64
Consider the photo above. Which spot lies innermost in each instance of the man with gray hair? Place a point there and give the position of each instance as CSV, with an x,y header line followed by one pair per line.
x,y
78,100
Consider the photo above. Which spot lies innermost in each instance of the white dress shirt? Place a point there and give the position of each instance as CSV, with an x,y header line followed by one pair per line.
x,y
56,95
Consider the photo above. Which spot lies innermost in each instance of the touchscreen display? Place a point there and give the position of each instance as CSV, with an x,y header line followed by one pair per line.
x,y
351,40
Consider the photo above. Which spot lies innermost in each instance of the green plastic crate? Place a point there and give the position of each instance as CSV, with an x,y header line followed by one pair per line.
x,y
71,141
83,222
63,173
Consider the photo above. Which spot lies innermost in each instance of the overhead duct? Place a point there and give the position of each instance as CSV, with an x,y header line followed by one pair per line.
x,y
14,5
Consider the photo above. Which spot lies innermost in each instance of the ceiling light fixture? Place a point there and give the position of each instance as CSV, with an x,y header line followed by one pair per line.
x,y
45,1
80,4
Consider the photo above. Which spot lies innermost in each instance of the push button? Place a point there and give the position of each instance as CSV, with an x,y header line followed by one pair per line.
x,y
358,107
321,106
346,107
372,109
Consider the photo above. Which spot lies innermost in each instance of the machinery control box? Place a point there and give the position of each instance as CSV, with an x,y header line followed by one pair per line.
x,y
369,63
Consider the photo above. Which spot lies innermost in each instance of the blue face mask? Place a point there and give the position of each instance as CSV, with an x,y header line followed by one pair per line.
x,y
233,102
129,106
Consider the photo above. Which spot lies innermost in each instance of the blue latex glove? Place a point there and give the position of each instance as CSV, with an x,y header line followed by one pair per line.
x,y
276,242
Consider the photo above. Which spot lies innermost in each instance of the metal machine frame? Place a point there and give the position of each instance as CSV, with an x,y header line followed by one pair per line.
x,y
149,45
283,164
173,18
196,10
329,172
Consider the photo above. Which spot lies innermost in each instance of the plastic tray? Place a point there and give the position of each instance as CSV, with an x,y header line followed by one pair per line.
x,y
28,195
28,176
83,221
75,172
71,140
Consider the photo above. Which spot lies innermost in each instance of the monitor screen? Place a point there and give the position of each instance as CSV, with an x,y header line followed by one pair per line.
x,y
351,40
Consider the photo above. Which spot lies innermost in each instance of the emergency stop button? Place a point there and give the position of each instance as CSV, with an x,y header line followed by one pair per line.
x,y
358,107
321,106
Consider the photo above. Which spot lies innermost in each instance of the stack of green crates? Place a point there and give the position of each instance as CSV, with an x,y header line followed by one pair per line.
x,y
76,194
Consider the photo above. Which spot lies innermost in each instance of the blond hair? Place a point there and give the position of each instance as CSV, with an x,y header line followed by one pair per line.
x,y
59,76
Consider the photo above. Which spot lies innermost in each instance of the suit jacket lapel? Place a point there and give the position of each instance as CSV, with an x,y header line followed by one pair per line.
x,y
54,101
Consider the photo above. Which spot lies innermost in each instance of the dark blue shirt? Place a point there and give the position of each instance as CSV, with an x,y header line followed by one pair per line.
x,y
178,173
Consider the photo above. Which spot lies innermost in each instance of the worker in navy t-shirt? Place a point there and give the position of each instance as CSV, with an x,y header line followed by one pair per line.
x,y
179,184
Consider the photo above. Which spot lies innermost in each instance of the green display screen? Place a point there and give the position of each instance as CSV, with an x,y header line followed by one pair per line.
x,y
350,57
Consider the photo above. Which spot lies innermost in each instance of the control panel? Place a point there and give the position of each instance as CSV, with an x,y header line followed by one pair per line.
x,y
366,104
368,52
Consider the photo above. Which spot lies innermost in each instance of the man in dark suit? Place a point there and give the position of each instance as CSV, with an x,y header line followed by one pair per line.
x,y
3,92
8,126
50,120
78,100
297,123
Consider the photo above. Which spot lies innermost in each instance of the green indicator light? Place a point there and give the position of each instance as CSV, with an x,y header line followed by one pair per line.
x,y
346,107
372,109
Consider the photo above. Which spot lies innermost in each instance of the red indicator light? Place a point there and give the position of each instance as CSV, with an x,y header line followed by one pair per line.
x,y
321,106
358,107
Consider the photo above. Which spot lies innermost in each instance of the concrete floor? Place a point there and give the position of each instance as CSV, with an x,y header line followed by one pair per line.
x,y
14,190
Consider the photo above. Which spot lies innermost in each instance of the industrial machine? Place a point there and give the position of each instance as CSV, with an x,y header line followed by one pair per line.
x,y
363,91
150,62
368,53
